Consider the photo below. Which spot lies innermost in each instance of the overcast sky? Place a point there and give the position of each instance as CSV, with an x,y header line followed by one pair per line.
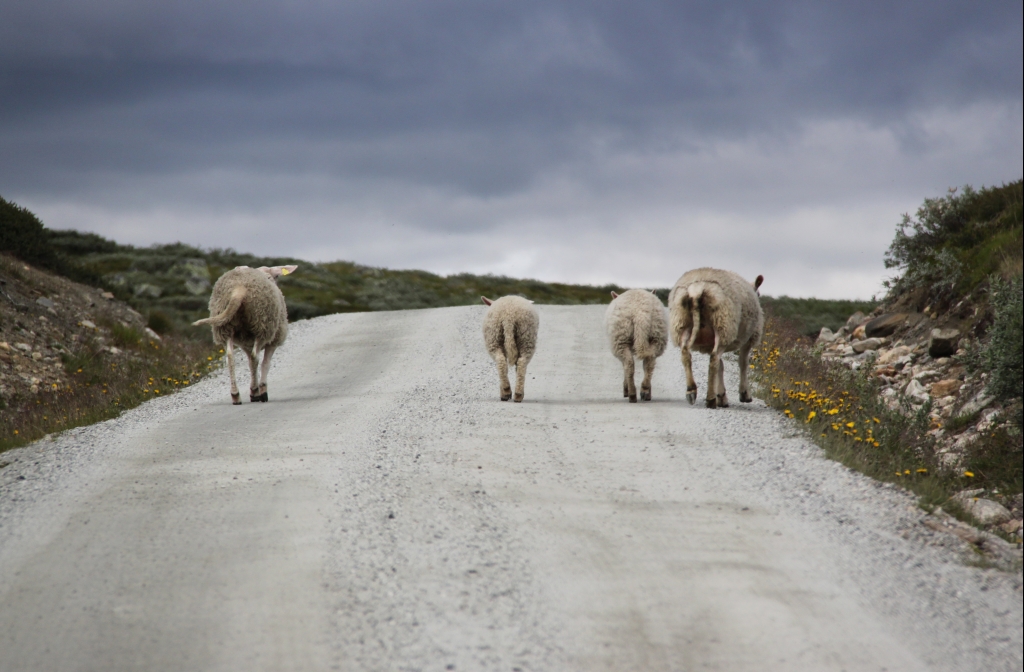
x,y
587,141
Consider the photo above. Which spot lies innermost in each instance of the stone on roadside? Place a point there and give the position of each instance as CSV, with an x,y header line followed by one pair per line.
x,y
826,335
152,334
884,325
985,511
88,324
944,388
858,333
943,342
866,344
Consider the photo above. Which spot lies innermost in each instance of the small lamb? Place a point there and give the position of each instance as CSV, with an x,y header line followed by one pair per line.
x,y
714,311
246,307
637,327
510,336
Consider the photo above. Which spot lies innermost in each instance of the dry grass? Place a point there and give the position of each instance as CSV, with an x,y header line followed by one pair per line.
x,y
102,385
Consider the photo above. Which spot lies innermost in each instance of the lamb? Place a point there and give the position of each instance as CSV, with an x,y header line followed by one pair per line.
x,y
637,327
715,311
510,336
246,307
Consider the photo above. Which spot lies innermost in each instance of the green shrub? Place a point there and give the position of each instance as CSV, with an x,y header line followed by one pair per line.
x,y
124,336
954,243
24,236
1003,356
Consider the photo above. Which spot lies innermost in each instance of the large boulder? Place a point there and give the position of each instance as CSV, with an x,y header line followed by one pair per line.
x,y
884,325
826,335
985,511
943,342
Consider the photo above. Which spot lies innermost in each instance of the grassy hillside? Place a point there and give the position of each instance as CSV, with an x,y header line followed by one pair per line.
x,y
808,316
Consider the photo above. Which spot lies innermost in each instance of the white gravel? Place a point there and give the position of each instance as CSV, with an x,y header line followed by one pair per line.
x,y
386,512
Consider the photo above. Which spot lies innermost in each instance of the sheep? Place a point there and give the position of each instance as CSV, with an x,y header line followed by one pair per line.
x,y
637,328
510,336
715,311
246,307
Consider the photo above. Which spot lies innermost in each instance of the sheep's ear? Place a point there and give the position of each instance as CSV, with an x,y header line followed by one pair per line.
x,y
615,295
289,269
486,301
758,281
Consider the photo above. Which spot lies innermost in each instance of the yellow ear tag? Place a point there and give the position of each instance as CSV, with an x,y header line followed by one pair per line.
x,y
285,271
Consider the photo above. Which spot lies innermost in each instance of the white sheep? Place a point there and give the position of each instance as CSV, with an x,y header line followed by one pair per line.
x,y
248,308
714,311
510,336
637,328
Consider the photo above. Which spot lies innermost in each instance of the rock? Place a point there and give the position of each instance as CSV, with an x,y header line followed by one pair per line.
x,y
985,511
855,321
866,344
36,356
884,325
147,290
891,355
4,345
197,286
24,347
1012,526
944,388
44,302
858,333
943,342
980,401
109,296
152,334
916,391
824,336
925,375
88,324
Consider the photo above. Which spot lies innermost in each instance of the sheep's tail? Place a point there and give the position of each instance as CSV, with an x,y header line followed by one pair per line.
x,y
642,335
226,315
511,345
695,302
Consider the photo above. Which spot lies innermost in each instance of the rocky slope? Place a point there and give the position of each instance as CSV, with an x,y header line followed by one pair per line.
x,y
917,357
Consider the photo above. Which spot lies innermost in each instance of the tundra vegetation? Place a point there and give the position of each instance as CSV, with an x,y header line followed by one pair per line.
x,y
945,425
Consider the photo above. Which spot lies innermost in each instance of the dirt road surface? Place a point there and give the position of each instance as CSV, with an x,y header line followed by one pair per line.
x,y
386,512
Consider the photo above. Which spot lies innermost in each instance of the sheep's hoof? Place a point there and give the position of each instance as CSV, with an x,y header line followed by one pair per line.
x,y
263,397
625,391
692,397
236,399
645,395
632,398
505,396
711,403
745,398
723,401
518,398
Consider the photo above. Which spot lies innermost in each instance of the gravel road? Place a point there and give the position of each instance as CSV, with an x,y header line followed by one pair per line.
x,y
386,512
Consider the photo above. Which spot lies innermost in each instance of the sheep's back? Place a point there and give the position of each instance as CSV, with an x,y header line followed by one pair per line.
x,y
637,319
263,316
515,314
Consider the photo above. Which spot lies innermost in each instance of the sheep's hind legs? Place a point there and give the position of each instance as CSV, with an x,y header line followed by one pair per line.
x,y
625,355
723,398
229,352
505,388
520,378
264,369
691,384
645,387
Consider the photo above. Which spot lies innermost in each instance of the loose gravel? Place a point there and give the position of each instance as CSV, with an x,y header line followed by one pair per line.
x,y
384,511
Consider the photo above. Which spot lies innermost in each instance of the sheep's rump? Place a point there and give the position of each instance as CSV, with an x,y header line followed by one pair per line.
x,y
247,307
511,326
636,320
715,302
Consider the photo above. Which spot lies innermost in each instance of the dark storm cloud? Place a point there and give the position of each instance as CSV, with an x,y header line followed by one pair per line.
x,y
474,119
